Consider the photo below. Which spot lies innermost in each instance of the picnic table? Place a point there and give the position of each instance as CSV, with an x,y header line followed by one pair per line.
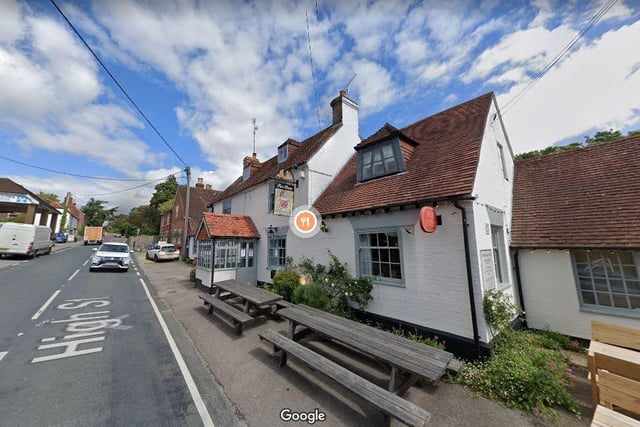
x,y
255,302
402,355
254,298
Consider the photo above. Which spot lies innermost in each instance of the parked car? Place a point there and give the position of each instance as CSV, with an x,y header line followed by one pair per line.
x,y
61,238
163,251
112,255
117,234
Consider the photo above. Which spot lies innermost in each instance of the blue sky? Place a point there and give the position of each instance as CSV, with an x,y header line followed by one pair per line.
x,y
202,70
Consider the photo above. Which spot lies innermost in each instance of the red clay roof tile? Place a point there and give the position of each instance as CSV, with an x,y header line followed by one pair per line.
x,y
443,163
582,198
232,226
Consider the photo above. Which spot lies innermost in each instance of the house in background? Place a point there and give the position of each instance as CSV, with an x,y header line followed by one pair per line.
x,y
268,192
458,161
75,218
172,222
16,199
576,237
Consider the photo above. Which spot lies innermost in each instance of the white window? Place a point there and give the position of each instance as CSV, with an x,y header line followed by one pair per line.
x,y
379,255
226,206
379,160
246,254
608,280
246,173
283,152
226,254
277,252
499,256
204,254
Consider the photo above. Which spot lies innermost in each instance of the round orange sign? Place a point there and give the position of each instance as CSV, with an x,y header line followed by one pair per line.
x,y
305,221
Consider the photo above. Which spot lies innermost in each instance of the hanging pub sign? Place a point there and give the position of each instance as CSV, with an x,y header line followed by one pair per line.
x,y
428,219
283,203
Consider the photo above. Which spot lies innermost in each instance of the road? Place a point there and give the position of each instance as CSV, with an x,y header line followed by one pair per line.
x,y
81,348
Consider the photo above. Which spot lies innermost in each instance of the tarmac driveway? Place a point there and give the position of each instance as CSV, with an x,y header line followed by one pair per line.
x,y
259,390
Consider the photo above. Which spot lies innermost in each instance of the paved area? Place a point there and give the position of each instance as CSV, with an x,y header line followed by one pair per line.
x,y
252,381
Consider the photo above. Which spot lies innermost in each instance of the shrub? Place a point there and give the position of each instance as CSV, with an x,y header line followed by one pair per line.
x,y
418,337
313,295
499,311
284,282
522,373
557,341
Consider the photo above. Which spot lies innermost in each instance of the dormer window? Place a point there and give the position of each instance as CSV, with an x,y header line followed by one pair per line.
x,y
380,159
283,152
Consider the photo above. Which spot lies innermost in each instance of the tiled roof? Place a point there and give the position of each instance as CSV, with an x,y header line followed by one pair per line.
x,y
199,198
587,198
225,225
270,168
443,163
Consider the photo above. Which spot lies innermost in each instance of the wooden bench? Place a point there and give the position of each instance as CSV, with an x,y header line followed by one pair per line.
x,y
619,392
239,318
616,341
390,404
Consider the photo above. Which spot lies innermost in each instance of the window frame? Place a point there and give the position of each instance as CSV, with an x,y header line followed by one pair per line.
x,y
281,259
226,206
283,153
399,282
503,162
500,263
606,309
204,254
230,249
379,148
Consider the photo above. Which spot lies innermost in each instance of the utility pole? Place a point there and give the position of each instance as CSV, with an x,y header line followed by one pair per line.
x,y
183,255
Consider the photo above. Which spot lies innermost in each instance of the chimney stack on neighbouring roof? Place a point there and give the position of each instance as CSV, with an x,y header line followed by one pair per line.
x,y
199,184
208,186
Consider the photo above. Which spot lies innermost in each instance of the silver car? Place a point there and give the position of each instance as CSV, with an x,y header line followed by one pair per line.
x,y
163,251
111,255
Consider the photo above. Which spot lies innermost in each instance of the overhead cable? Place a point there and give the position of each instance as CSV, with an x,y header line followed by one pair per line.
x,y
127,189
592,22
117,83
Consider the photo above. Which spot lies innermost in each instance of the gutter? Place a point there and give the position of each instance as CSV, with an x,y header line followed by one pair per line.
x,y
516,266
472,299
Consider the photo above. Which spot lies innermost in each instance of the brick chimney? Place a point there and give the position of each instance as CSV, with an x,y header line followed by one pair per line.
x,y
199,184
343,108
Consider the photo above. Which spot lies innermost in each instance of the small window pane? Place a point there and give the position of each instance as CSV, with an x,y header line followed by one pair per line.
x,y
626,257
581,257
601,284
382,239
604,299
635,302
633,287
630,273
620,301
588,298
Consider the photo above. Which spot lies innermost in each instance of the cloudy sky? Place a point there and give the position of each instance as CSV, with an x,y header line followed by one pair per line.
x,y
201,70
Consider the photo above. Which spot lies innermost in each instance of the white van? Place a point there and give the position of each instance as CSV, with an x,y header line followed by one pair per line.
x,y
24,239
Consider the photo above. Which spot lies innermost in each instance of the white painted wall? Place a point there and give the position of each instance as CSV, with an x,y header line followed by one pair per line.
x,y
218,276
551,296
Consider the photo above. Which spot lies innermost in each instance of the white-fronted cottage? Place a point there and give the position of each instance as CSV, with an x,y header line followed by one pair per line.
x,y
576,237
458,161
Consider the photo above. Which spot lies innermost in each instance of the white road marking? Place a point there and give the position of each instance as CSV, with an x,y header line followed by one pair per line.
x,y
73,275
191,385
46,304
138,273
3,354
85,263
48,339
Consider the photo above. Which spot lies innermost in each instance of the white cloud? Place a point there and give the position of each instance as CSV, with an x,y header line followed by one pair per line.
x,y
593,89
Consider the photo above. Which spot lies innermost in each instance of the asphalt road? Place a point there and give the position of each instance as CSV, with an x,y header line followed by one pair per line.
x,y
80,348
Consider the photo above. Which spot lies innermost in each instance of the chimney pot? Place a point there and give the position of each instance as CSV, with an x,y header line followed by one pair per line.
x,y
343,92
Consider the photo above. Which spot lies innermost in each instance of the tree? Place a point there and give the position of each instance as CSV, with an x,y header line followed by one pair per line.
x,y
601,136
146,218
164,191
49,197
95,212
63,220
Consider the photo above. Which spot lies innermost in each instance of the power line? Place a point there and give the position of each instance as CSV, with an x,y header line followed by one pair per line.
x,y
74,174
313,75
126,189
117,83
592,22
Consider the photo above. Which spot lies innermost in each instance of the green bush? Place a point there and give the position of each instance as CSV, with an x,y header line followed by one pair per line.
x,y
313,295
417,337
557,341
522,373
284,282
499,311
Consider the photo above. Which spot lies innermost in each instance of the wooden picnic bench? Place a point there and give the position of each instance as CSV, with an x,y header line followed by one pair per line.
x,y
614,372
239,318
389,403
403,356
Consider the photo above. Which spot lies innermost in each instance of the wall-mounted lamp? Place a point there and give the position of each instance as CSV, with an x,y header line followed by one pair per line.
x,y
323,227
271,230
410,229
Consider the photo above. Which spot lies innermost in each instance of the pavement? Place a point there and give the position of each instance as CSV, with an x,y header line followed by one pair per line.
x,y
247,372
